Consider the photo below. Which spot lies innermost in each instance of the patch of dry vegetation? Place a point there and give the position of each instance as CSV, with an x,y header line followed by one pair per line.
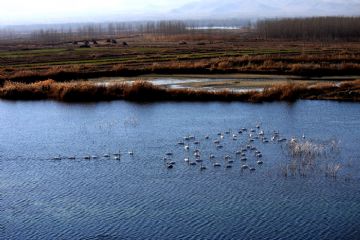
x,y
145,91
310,157
143,56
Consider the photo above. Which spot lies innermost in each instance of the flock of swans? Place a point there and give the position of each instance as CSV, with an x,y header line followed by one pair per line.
x,y
212,150
207,151
115,156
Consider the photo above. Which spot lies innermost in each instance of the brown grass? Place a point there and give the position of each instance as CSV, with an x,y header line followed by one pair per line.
x,y
157,56
145,91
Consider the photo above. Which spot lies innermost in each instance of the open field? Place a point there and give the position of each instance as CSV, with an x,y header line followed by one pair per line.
x,y
235,52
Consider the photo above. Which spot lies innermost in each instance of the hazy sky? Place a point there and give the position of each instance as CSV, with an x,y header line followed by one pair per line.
x,y
50,11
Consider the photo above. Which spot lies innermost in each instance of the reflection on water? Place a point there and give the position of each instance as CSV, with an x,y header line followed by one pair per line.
x,y
138,197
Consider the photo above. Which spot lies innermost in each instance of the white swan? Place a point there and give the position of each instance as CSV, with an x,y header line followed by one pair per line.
x,y
244,167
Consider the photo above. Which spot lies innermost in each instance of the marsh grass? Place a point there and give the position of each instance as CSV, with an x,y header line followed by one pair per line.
x,y
306,158
80,91
169,58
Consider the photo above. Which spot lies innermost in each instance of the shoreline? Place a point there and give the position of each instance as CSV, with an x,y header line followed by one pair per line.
x,y
144,91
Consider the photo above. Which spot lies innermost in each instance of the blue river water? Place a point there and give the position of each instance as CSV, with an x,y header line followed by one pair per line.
x,y
45,195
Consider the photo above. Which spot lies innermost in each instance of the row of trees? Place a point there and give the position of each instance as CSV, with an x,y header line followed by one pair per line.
x,y
315,28
70,32
94,31
79,31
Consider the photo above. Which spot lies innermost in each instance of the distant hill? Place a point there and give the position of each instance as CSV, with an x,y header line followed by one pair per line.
x,y
265,8
137,10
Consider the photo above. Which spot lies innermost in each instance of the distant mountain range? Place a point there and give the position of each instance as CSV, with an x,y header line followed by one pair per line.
x,y
265,8
187,9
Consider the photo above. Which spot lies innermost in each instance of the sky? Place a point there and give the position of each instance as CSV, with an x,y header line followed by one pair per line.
x,y
60,11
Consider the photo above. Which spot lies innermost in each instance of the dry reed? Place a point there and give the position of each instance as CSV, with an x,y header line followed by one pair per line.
x,y
307,157
145,91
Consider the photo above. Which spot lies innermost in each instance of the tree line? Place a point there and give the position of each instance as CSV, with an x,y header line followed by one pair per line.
x,y
80,31
109,30
314,28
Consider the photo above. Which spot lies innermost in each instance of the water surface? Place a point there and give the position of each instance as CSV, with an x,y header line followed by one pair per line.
x,y
139,198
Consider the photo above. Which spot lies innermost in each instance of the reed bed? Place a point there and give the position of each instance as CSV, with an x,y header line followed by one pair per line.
x,y
309,157
81,91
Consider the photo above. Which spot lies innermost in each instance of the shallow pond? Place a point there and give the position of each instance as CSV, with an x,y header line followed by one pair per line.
x,y
233,82
138,197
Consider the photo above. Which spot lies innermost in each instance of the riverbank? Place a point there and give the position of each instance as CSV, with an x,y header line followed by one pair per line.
x,y
86,91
